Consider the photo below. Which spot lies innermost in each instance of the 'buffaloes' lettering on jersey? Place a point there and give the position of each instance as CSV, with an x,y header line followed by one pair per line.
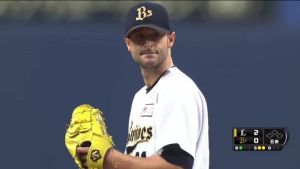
x,y
137,135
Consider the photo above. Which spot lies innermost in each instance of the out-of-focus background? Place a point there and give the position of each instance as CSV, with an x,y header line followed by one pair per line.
x,y
54,55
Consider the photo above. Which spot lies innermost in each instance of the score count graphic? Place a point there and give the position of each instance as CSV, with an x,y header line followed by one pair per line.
x,y
259,139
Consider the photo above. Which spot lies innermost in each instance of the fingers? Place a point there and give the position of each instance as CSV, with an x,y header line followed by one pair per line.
x,y
82,150
82,155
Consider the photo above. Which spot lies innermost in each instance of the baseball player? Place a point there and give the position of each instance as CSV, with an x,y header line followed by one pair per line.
x,y
168,123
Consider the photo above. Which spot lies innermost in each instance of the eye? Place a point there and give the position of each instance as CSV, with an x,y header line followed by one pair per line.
x,y
155,35
138,38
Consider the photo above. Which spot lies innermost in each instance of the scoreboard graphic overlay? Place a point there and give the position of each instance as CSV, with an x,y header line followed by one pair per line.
x,y
259,139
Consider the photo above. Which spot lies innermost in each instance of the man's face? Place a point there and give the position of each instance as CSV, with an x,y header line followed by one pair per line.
x,y
149,47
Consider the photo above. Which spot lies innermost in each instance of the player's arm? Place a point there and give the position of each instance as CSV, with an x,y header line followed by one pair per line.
x,y
171,157
117,160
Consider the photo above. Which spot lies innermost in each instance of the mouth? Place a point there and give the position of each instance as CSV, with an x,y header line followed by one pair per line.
x,y
148,53
149,56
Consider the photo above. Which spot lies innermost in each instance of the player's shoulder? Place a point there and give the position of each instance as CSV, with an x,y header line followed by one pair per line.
x,y
176,79
177,86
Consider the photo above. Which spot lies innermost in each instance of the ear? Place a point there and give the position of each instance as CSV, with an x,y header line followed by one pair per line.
x,y
171,39
127,42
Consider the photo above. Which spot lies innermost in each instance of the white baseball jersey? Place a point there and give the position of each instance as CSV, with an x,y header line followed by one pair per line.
x,y
173,111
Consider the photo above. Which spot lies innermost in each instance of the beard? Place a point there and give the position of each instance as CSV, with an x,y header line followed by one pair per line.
x,y
149,61
149,58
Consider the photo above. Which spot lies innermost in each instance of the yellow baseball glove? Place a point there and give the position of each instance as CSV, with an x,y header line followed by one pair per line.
x,y
87,127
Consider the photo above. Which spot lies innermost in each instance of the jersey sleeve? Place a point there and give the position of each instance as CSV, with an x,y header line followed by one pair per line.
x,y
178,118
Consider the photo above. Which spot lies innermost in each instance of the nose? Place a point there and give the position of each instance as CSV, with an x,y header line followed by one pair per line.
x,y
148,44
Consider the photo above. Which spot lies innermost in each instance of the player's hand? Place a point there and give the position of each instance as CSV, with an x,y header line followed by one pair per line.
x,y
86,137
82,155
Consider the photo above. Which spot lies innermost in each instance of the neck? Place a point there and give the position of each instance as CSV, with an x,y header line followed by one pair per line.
x,y
150,75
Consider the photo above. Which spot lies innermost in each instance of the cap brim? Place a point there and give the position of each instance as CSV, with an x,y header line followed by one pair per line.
x,y
158,28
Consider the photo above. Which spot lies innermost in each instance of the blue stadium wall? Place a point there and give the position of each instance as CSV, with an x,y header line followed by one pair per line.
x,y
248,73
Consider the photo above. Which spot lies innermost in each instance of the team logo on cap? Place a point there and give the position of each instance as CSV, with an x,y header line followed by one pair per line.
x,y
142,13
